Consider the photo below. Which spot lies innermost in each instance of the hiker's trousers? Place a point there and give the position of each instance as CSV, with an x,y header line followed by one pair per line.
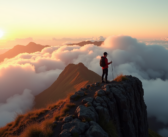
x,y
105,72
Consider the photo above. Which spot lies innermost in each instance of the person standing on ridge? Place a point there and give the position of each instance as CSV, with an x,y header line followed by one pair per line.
x,y
104,64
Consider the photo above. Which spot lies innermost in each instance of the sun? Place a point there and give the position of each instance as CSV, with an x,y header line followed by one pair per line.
x,y
1,33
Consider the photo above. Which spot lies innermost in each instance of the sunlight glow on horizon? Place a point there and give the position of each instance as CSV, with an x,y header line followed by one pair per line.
x,y
1,34
53,19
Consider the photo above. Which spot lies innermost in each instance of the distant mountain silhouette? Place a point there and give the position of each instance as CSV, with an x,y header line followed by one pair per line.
x,y
30,48
98,43
71,79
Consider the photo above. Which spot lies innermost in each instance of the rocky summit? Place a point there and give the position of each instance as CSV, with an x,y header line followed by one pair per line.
x,y
117,109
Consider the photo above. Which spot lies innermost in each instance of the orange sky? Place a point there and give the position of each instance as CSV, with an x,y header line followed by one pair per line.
x,y
74,19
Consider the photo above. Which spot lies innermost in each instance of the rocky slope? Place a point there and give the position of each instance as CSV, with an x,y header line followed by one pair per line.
x,y
116,109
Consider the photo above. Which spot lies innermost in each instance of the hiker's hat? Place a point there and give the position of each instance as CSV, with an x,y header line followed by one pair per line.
x,y
105,53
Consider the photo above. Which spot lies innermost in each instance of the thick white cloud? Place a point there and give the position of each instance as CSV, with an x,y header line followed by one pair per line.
x,y
156,94
16,104
37,71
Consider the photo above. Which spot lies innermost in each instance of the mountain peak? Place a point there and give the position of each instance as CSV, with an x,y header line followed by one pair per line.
x,y
32,44
72,78
81,65
30,48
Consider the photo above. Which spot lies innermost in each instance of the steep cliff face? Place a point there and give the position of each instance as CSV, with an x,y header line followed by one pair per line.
x,y
116,109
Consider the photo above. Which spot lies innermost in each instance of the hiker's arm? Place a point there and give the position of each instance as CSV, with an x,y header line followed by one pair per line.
x,y
109,62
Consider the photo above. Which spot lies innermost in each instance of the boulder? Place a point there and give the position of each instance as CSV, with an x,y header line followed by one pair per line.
x,y
77,94
103,113
100,92
107,89
83,89
80,93
88,104
95,104
72,97
67,119
65,133
76,126
95,131
88,86
87,113
87,99
99,99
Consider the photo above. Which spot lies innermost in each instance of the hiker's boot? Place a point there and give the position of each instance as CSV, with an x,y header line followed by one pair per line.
x,y
107,81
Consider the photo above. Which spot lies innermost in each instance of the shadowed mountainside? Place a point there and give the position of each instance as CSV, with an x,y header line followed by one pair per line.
x,y
70,80
98,43
30,48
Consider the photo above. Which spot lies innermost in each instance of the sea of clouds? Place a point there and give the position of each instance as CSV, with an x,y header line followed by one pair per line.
x,y
26,75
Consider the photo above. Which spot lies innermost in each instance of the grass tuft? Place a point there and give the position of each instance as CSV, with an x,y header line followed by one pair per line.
x,y
71,105
52,106
65,110
3,131
18,119
57,117
9,124
23,121
45,129
120,78
33,131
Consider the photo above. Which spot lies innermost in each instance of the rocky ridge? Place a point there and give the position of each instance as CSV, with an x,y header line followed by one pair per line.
x,y
116,109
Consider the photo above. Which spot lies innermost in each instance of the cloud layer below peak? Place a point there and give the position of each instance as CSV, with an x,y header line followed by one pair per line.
x,y
37,71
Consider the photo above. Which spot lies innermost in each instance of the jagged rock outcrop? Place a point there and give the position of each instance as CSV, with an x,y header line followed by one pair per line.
x,y
117,109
